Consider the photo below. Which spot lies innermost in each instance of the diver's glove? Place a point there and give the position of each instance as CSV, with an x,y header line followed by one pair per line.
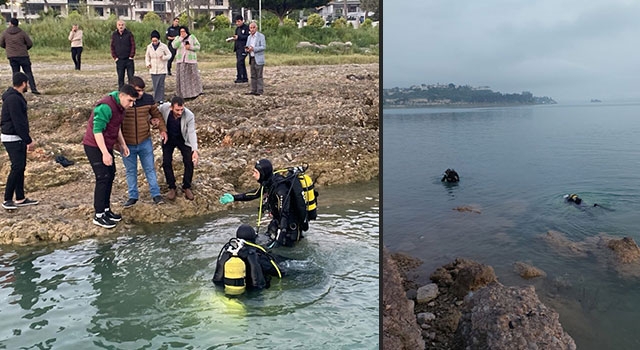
x,y
226,198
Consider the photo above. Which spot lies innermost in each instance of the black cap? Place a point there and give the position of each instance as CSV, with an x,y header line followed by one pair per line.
x,y
265,169
155,34
246,232
238,18
14,22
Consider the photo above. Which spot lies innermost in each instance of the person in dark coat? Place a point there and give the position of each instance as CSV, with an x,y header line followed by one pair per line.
x,y
172,32
123,49
16,140
240,41
17,43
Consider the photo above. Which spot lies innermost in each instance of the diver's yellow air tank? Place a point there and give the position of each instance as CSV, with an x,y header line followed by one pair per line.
x,y
309,195
234,276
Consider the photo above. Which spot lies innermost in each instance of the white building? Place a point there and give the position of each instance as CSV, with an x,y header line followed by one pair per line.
x,y
128,10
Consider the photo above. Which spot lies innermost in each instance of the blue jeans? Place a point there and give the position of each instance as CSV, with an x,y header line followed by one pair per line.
x,y
144,150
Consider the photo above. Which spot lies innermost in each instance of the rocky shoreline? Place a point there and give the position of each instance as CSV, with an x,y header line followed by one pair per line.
x,y
466,307
325,116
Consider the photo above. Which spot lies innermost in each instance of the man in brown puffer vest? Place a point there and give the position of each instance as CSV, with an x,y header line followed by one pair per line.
x,y
136,129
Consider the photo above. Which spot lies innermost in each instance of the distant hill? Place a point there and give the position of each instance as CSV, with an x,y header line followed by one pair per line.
x,y
456,95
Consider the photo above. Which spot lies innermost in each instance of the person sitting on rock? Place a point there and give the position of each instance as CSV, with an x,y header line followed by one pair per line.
x,y
450,175
254,268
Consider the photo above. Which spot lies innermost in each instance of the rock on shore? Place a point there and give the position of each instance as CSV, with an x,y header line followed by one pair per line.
x,y
308,114
470,309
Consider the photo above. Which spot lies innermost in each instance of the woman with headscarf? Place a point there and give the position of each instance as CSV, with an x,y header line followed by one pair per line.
x,y
156,59
188,84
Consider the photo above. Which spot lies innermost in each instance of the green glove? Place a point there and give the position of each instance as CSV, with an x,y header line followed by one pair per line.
x,y
226,198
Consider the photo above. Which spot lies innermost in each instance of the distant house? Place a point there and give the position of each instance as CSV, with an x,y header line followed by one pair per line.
x,y
335,9
29,9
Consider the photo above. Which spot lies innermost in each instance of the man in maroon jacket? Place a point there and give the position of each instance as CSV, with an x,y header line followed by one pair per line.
x,y
102,134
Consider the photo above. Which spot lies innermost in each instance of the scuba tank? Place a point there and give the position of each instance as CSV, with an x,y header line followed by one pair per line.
x,y
309,193
235,269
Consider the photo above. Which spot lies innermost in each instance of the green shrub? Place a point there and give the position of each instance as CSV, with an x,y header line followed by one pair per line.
x,y
202,21
151,17
270,22
339,23
288,22
50,34
221,22
368,23
315,21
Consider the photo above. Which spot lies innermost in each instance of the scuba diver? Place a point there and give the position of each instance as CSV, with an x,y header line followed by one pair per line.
x,y
284,200
242,264
450,175
574,198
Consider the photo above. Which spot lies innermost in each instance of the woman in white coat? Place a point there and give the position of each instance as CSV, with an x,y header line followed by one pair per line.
x,y
156,59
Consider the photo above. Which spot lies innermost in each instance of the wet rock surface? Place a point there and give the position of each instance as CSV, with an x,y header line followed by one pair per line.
x,y
399,327
472,310
309,114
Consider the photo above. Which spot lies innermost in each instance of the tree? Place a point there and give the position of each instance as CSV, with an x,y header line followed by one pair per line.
x,y
280,8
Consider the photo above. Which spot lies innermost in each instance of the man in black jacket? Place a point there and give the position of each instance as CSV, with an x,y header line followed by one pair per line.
x,y
240,41
172,33
123,49
284,202
16,140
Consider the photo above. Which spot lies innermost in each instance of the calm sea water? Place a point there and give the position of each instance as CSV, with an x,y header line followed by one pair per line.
x,y
515,165
153,290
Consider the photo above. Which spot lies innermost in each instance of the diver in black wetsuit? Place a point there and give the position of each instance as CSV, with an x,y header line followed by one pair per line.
x,y
450,175
574,198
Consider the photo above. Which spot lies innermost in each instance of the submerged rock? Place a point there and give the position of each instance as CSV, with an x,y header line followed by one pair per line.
x,y
527,271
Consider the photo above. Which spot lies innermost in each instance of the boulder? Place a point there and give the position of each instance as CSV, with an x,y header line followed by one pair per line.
x,y
504,318
399,327
427,293
527,271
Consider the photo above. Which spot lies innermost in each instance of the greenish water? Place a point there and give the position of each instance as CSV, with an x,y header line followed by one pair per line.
x,y
153,290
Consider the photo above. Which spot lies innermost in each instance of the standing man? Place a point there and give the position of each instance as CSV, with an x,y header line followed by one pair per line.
x,y
16,140
102,134
75,36
256,45
123,49
172,33
240,41
16,43
136,130
181,132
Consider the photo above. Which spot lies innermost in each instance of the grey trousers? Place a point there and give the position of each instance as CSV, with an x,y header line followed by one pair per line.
x,y
256,76
158,86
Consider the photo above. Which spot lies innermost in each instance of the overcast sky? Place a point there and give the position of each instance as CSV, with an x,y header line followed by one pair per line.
x,y
568,50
